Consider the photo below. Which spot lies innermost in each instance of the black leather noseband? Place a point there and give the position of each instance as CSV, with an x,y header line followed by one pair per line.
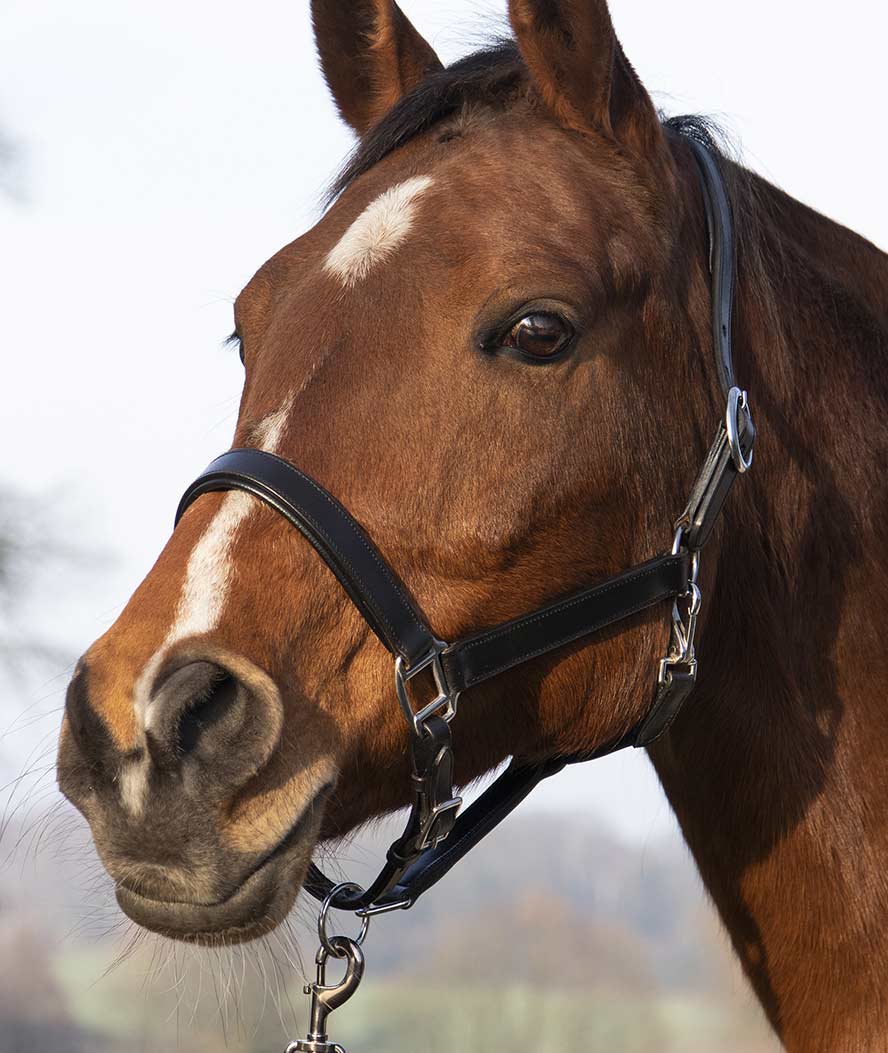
x,y
435,836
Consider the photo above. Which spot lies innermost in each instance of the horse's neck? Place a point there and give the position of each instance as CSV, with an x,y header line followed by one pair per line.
x,y
778,767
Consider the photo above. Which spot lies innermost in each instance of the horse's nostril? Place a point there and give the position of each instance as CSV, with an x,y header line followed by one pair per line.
x,y
206,711
213,726
197,711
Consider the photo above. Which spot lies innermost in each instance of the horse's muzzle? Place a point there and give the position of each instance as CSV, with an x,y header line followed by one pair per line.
x,y
205,836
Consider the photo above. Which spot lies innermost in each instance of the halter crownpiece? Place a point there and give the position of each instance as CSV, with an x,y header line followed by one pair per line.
x,y
435,836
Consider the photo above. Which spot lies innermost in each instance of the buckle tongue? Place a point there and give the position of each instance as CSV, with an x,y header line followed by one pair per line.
x,y
437,824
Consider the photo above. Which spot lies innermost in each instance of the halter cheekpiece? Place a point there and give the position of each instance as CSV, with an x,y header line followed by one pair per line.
x,y
436,836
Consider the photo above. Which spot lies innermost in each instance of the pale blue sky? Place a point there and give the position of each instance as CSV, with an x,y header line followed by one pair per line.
x,y
172,146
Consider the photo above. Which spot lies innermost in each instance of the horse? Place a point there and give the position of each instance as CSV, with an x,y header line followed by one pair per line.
x,y
495,350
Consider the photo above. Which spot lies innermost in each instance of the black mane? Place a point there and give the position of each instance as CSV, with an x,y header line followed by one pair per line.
x,y
486,77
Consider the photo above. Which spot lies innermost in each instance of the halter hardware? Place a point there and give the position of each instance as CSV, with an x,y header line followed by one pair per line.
x,y
681,656
442,705
435,804
327,997
436,837
738,403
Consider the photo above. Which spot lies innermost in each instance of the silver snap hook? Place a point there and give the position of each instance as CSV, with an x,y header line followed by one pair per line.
x,y
327,997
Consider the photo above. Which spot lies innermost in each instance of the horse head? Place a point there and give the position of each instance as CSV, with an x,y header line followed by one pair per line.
x,y
476,350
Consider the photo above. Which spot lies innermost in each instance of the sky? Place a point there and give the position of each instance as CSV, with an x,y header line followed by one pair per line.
x,y
168,148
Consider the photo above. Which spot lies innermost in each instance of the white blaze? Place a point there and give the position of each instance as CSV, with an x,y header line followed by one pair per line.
x,y
377,232
208,574
201,600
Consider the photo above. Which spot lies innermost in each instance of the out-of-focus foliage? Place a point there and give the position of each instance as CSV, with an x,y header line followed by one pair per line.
x,y
31,552
12,179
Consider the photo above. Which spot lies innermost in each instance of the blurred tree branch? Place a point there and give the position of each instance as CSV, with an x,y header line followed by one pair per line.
x,y
24,544
32,556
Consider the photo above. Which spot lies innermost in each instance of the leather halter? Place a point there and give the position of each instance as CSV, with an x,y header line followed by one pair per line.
x,y
435,837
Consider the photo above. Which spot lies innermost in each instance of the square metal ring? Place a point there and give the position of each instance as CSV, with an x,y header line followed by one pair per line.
x,y
443,704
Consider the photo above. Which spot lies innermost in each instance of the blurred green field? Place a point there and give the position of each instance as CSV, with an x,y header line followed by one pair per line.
x,y
123,1013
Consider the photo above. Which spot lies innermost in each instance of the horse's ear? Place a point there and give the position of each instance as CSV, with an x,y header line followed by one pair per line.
x,y
371,56
580,70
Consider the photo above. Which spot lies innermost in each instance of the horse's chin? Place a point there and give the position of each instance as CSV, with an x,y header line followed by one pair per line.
x,y
256,906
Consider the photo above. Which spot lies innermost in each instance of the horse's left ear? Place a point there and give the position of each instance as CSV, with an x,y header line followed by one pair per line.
x,y
371,56
579,67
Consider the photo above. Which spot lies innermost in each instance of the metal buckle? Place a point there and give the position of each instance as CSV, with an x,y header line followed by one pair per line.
x,y
444,703
428,837
436,805
680,656
737,403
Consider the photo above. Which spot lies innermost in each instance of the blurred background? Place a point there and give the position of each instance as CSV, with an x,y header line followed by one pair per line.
x,y
152,155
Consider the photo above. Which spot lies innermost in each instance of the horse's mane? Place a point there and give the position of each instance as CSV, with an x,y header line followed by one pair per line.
x,y
489,76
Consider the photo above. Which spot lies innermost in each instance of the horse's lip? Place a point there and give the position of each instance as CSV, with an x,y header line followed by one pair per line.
x,y
256,905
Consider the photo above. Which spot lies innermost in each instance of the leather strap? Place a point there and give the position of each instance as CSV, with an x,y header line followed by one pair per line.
x,y
340,541
485,813
721,260
670,697
485,655
497,802
719,470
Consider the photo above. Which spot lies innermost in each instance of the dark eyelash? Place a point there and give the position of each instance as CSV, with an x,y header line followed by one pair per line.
x,y
234,340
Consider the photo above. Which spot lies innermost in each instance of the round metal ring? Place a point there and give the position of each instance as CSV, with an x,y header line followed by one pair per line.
x,y
737,402
326,940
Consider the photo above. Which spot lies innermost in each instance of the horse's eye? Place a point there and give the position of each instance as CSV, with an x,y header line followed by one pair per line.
x,y
540,335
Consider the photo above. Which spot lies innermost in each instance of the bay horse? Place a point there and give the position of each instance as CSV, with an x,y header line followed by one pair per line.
x,y
495,349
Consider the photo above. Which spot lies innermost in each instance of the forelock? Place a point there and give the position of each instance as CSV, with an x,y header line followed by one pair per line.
x,y
491,76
